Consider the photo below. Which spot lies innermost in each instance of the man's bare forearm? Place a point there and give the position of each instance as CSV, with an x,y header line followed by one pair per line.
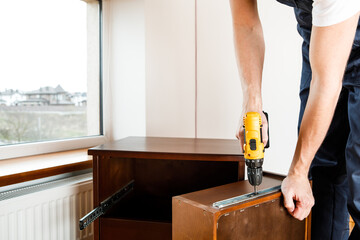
x,y
329,50
250,49
316,120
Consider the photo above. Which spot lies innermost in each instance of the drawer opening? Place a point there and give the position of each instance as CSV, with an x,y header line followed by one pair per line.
x,y
156,181
142,208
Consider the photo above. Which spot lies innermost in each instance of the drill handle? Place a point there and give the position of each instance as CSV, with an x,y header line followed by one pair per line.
x,y
268,142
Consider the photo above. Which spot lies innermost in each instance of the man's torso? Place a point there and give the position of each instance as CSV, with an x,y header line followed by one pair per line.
x,y
303,13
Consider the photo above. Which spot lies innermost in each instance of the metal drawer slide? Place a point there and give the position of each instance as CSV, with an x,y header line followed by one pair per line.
x,y
106,205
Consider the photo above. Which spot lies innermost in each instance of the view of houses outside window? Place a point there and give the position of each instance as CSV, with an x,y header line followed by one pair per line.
x,y
49,68
46,113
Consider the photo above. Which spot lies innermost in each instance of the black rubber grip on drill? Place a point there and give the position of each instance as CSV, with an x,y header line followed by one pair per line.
x,y
268,142
252,144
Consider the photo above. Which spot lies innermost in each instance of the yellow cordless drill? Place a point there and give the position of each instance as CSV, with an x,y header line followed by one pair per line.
x,y
254,148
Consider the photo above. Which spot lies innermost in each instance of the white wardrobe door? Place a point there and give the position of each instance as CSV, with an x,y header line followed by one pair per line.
x,y
170,67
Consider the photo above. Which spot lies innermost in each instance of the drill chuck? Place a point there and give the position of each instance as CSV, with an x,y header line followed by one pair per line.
x,y
254,171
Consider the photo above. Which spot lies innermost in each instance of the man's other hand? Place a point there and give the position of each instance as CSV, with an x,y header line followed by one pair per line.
x,y
298,197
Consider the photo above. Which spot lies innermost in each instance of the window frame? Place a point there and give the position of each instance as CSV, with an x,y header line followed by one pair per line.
x,y
43,147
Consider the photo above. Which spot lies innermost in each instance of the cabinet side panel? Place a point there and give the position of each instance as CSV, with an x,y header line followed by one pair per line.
x,y
241,170
191,222
96,193
268,220
113,174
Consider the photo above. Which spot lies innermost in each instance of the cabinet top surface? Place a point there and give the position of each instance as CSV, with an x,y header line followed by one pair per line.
x,y
171,145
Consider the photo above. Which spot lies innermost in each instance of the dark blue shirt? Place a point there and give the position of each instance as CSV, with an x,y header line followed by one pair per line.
x,y
303,9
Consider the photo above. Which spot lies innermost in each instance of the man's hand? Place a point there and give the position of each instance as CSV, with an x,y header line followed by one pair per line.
x,y
240,130
298,197
329,51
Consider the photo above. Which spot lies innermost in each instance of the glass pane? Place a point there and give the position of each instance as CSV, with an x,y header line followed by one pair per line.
x,y
49,74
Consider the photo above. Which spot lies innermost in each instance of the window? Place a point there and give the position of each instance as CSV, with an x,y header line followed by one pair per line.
x,y
49,75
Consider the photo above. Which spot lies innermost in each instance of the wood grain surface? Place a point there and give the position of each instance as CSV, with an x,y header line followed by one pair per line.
x,y
268,220
173,148
146,213
263,217
208,196
191,222
24,169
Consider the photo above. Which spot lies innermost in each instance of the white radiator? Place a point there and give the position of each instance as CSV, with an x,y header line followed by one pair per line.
x,y
48,211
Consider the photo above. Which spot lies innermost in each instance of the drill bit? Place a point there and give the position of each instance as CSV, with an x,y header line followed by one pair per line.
x,y
255,190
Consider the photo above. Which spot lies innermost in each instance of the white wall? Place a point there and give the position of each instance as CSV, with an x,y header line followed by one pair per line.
x,y
124,68
219,90
170,68
281,82
191,80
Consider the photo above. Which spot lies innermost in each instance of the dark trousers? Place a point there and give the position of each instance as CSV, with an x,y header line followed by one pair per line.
x,y
335,170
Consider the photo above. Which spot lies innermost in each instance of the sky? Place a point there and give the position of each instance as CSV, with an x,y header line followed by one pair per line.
x,y
43,43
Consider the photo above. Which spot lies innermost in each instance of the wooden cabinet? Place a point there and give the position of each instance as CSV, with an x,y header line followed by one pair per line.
x,y
176,182
161,168
195,217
